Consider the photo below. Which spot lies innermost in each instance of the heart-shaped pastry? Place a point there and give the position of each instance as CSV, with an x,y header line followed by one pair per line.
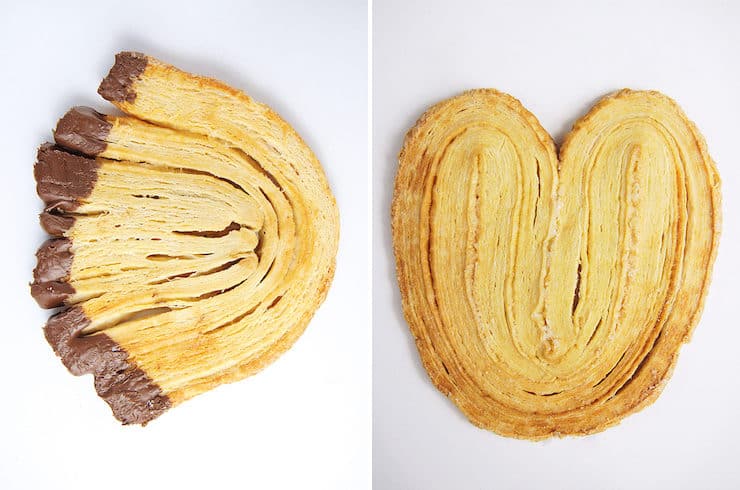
x,y
551,295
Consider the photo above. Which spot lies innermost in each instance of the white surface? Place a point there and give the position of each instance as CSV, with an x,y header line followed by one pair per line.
x,y
558,58
304,422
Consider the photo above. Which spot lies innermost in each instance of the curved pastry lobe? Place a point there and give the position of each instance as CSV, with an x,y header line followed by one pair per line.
x,y
550,296
194,237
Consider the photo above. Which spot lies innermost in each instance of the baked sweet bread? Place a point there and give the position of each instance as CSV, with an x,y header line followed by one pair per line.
x,y
194,237
549,295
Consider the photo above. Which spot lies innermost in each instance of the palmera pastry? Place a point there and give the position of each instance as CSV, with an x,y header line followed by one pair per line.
x,y
551,295
194,237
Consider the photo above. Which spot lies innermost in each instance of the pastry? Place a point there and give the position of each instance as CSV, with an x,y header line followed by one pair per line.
x,y
550,293
193,239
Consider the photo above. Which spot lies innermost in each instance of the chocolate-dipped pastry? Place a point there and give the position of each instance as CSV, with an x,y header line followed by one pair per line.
x,y
191,246
131,394
118,85
83,130
55,224
63,179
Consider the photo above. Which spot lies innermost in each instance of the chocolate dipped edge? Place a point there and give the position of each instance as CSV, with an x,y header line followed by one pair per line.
x,y
55,224
117,86
132,395
84,130
62,180
50,285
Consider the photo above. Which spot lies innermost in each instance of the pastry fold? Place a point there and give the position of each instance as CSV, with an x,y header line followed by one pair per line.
x,y
194,237
550,294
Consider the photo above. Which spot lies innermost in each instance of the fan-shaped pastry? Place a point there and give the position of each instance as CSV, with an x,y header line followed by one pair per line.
x,y
194,237
551,295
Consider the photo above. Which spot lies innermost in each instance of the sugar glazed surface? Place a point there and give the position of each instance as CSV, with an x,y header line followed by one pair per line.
x,y
194,237
550,295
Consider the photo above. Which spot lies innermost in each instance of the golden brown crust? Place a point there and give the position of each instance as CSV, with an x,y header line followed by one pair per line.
x,y
550,296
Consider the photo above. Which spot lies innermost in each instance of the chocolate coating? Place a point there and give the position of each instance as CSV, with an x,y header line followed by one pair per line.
x,y
131,394
84,130
54,263
63,179
54,260
51,294
55,224
117,86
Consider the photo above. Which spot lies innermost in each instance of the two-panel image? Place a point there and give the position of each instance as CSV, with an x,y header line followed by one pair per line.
x,y
388,244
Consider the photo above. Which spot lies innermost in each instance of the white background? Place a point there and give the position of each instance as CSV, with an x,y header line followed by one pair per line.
x,y
304,422
558,58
